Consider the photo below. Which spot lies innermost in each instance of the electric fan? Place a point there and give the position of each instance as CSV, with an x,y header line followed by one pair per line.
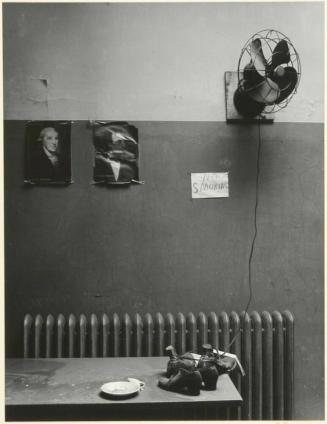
x,y
269,71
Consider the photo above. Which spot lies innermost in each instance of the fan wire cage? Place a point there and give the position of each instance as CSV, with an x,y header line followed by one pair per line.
x,y
269,39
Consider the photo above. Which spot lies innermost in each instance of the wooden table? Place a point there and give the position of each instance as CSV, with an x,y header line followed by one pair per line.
x,y
69,389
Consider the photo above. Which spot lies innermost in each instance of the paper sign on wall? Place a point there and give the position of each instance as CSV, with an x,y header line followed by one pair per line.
x,y
210,184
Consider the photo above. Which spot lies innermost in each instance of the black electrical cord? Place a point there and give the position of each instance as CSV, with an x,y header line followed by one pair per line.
x,y
254,236
255,221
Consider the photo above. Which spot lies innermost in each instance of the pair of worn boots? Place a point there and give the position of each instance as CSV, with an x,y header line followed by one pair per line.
x,y
185,376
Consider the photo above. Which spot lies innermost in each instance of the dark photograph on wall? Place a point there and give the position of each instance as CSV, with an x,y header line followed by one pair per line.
x,y
116,153
48,152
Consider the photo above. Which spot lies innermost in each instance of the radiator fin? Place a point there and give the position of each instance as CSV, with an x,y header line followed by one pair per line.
x,y
61,323
192,333
235,326
28,322
202,330
39,340
159,334
256,366
170,329
49,336
94,336
278,365
247,365
127,335
267,366
213,329
224,331
138,335
148,335
72,335
105,335
181,333
288,321
116,335
82,335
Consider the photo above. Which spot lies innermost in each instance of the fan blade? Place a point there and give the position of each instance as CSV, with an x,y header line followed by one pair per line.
x,y
257,57
281,54
251,76
267,92
287,82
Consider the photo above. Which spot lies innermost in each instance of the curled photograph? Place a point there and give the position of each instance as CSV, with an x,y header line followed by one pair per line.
x,y
116,152
48,152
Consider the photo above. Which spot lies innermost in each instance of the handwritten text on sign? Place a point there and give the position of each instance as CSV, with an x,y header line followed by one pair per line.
x,y
210,184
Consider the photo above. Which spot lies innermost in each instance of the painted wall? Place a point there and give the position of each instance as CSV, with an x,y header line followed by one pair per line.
x,y
151,248
147,61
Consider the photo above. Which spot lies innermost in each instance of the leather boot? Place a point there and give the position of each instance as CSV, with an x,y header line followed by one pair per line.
x,y
176,362
208,369
185,381
173,363
209,376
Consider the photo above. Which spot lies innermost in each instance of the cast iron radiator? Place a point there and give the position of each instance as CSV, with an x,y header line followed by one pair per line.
x,y
264,344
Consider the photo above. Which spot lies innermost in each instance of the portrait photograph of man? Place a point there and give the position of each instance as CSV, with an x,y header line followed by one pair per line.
x,y
48,152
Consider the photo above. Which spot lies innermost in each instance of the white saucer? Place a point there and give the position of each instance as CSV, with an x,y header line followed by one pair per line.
x,y
120,388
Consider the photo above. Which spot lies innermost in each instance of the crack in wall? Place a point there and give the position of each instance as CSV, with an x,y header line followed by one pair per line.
x,y
44,81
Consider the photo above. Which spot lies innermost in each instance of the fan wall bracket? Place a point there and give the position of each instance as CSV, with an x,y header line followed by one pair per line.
x,y
232,115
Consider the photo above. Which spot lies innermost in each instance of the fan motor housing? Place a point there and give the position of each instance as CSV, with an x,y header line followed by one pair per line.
x,y
246,106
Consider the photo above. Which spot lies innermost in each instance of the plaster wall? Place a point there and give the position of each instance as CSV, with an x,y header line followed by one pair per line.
x,y
146,61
